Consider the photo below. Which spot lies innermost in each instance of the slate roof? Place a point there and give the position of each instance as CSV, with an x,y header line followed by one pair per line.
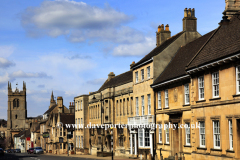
x,y
225,42
67,118
50,109
159,49
117,80
176,68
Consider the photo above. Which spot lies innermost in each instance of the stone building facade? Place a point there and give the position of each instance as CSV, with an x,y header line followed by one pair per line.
x,y
198,93
81,120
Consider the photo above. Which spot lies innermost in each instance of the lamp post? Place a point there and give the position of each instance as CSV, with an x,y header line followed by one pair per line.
x,y
112,140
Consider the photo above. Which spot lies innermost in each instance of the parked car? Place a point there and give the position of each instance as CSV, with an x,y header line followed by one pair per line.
x,y
1,152
30,150
5,151
38,150
10,151
17,151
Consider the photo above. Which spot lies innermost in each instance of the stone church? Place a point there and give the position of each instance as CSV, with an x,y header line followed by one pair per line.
x,y
17,119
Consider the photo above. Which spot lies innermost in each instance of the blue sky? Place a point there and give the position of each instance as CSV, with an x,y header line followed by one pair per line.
x,y
71,46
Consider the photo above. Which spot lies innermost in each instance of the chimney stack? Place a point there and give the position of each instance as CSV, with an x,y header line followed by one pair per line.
x,y
60,104
189,20
162,35
111,75
71,107
232,7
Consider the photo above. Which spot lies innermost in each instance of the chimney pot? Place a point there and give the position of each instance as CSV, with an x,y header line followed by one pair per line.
x,y
159,29
189,12
167,27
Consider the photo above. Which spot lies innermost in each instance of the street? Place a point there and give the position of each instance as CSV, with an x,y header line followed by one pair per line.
x,y
25,156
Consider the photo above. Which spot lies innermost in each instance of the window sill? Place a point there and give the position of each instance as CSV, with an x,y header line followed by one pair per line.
x,y
230,151
159,108
187,146
201,148
160,143
166,108
213,149
199,101
216,98
185,105
167,144
236,95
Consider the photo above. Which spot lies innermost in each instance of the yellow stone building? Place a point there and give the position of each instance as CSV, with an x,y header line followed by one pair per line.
x,y
197,98
81,120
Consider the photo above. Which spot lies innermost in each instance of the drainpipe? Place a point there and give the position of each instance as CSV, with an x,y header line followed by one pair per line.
x,y
154,141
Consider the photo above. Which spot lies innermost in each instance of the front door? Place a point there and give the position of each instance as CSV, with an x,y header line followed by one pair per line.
x,y
175,140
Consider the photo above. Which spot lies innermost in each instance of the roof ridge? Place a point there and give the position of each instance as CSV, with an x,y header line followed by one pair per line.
x,y
162,45
203,45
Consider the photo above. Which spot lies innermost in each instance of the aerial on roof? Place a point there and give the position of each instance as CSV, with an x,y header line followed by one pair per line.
x,y
224,43
117,80
176,68
158,49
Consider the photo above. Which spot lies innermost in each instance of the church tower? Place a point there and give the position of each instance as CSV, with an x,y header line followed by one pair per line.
x,y
52,101
17,108
232,6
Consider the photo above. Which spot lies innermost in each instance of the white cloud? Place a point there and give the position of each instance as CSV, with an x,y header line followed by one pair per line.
x,y
22,74
136,49
4,79
79,22
6,51
4,63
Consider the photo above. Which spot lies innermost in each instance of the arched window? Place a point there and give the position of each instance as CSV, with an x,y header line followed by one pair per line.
x,y
16,103
15,116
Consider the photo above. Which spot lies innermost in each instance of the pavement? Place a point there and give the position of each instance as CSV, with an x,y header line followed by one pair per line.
x,y
25,156
89,156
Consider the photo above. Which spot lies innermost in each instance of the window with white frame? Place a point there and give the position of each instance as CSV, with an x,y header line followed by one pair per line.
x,y
215,84
137,109
78,105
230,135
140,137
136,76
186,93
167,134
187,134
149,104
159,100
142,105
142,74
238,79
77,141
78,121
81,104
202,133
144,137
166,99
201,87
216,134
160,134
82,141
147,138
148,72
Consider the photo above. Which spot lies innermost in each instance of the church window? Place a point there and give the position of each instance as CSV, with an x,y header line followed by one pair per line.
x,y
15,103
